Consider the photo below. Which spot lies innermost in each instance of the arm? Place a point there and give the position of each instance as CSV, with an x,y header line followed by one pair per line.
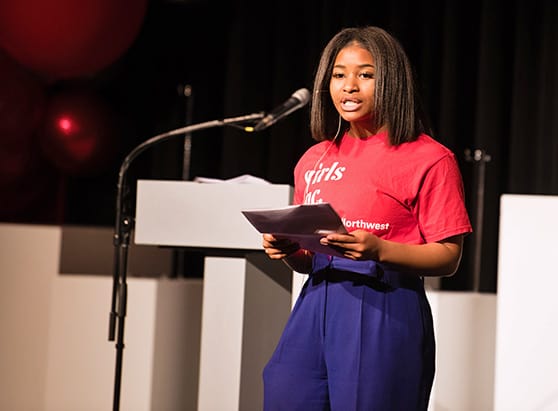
x,y
439,259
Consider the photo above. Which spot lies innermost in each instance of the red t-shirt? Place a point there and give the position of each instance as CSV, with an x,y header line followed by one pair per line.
x,y
412,193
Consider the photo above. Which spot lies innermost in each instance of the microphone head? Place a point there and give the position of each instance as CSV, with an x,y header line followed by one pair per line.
x,y
303,95
297,100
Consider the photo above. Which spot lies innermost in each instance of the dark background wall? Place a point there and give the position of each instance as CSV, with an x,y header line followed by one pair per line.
x,y
487,71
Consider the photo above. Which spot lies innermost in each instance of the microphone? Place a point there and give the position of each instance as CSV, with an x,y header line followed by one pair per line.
x,y
298,100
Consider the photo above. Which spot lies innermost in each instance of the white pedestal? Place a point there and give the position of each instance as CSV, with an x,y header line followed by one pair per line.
x,y
464,325
160,358
244,311
526,376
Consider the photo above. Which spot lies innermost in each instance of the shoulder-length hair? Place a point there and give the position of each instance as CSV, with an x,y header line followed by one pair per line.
x,y
396,102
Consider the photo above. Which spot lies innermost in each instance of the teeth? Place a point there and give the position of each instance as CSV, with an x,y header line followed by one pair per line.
x,y
349,103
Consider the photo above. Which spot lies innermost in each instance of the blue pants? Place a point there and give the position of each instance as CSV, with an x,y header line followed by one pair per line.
x,y
360,338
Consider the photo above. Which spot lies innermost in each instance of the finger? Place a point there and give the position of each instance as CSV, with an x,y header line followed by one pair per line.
x,y
342,238
349,254
268,237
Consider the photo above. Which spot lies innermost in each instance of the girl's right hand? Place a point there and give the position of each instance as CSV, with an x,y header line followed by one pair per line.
x,y
278,248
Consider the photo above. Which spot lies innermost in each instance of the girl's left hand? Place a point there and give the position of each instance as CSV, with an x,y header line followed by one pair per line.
x,y
357,245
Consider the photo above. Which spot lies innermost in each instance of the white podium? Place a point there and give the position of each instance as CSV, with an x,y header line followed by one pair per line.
x,y
246,296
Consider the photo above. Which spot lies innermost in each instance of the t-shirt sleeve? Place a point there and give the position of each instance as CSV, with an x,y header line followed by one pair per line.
x,y
441,210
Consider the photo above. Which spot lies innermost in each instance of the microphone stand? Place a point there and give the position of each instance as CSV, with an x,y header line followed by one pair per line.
x,y
479,158
123,228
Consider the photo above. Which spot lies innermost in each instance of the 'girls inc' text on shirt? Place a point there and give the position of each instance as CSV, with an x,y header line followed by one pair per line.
x,y
335,173
311,177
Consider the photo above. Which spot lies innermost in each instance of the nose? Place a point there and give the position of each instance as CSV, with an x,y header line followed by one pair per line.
x,y
350,85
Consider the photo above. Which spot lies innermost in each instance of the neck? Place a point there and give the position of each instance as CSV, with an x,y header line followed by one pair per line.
x,y
360,131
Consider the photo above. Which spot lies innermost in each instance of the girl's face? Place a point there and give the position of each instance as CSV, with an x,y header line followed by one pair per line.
x,y
352,87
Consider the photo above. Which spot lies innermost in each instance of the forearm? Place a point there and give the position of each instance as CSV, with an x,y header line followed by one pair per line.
x,y
299,261
432,259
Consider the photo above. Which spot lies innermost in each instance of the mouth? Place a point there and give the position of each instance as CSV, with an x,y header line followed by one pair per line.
x,y
350,104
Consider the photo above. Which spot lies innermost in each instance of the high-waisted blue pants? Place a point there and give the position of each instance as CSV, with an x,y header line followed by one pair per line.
x,y
360,338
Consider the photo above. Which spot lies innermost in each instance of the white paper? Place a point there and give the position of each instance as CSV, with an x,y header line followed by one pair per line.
x,y
305,224
243,179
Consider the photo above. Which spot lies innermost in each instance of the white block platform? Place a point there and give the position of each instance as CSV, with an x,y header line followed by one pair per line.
x,y
526,376
55,353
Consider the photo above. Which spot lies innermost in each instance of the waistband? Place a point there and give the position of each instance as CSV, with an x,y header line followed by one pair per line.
x,y
331,268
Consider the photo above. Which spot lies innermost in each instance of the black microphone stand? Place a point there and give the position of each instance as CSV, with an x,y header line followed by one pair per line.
x,y
123,228
479,158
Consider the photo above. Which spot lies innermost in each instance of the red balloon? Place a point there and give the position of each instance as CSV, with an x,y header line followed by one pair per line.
x,y
78,135
69,38
22,99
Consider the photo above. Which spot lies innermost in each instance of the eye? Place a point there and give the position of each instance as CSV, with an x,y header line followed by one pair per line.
x,y
367,75
337,75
